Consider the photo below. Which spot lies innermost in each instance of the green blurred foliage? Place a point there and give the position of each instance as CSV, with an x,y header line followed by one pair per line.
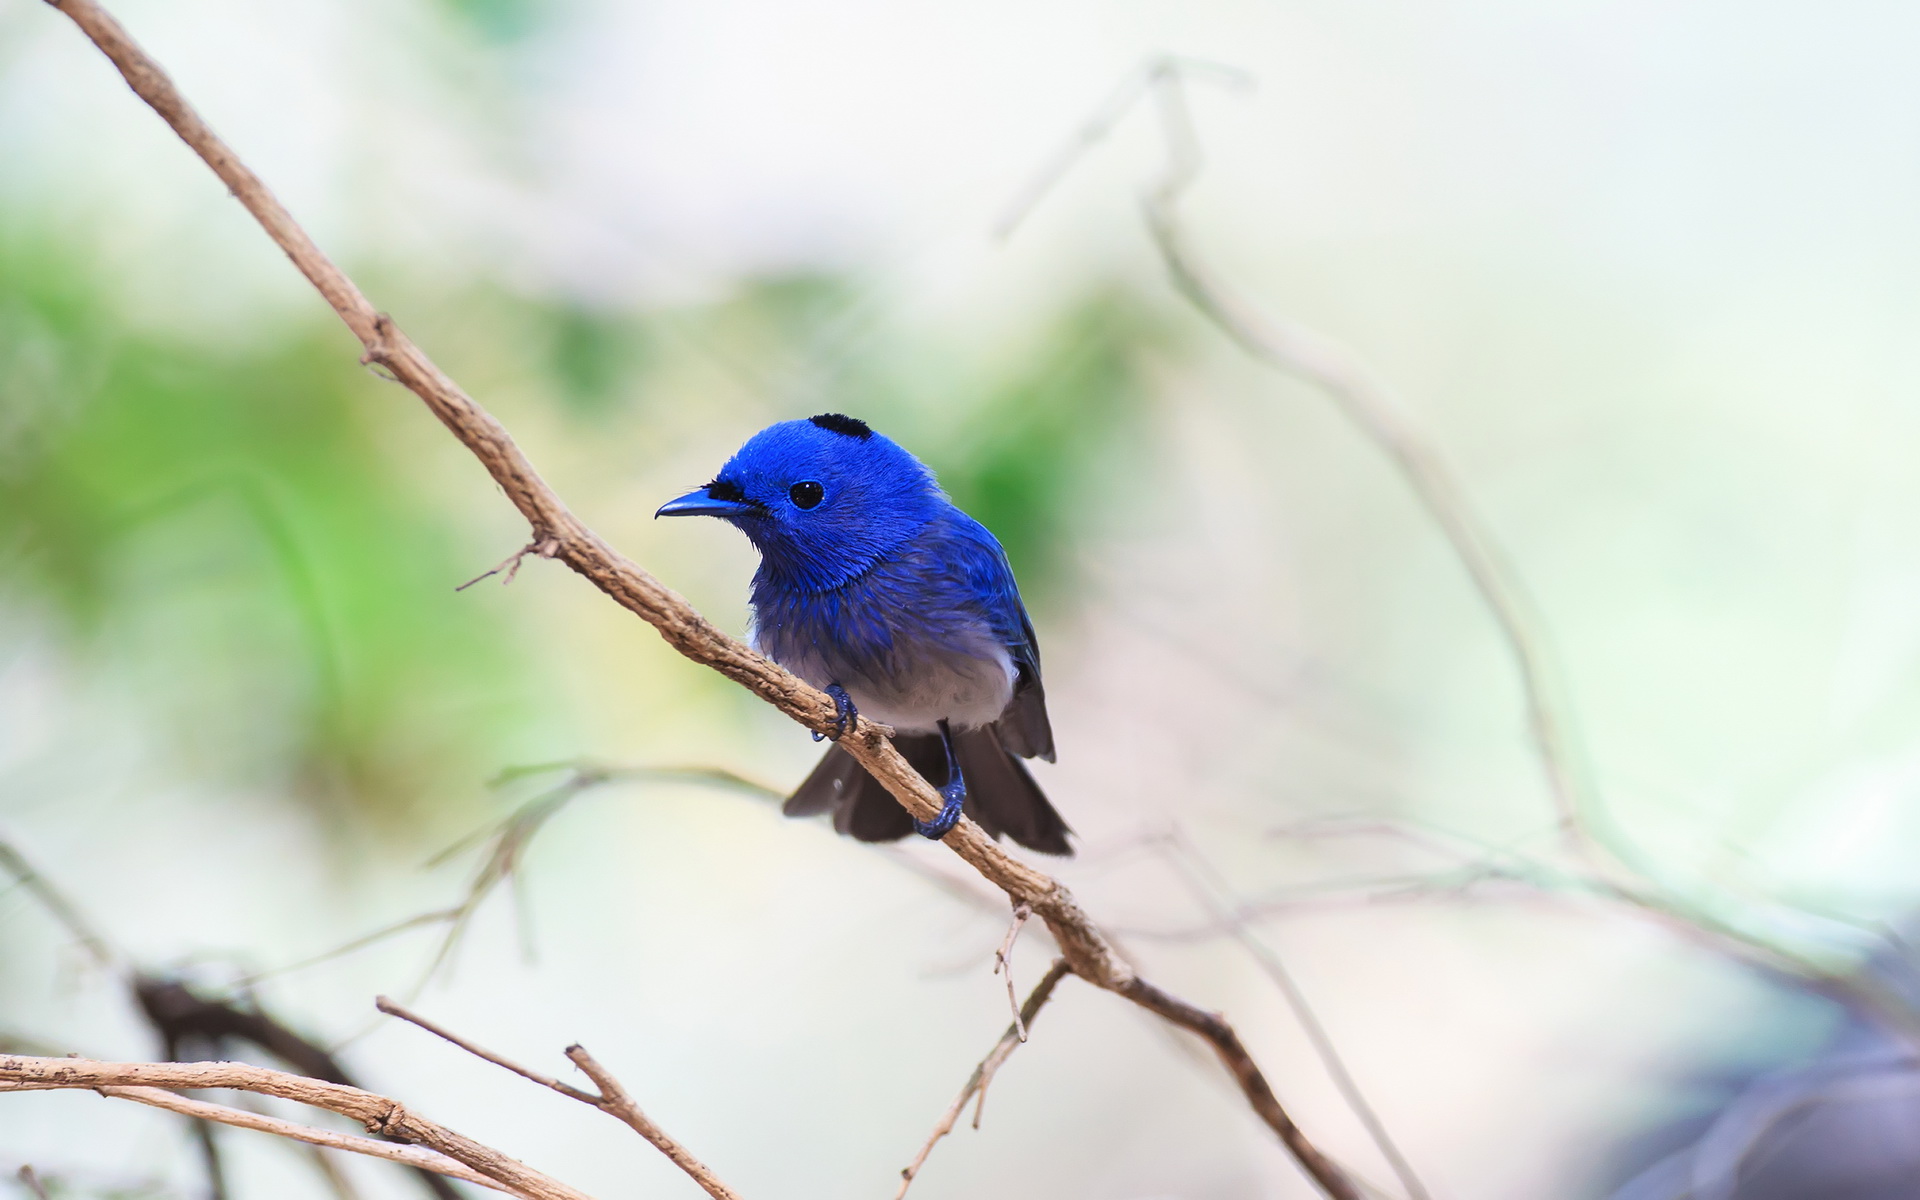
x,y
219,529
594,356
1057,441
224,532
500,21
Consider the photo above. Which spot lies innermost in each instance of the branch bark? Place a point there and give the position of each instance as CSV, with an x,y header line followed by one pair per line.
x,y
417,1157
552,524
380,1115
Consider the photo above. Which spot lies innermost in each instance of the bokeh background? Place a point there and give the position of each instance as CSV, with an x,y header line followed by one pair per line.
x,y
1645,271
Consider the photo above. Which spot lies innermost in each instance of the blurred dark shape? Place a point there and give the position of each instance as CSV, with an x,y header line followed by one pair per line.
x,y
1842,1125
191,1024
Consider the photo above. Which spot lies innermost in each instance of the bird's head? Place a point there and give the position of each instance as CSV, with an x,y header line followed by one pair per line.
x,y
822,499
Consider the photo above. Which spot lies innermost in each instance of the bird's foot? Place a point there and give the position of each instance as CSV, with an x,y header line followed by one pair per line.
x,y
955,796
844,713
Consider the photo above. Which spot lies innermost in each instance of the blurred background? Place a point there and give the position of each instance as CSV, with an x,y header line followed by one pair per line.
x,y
1644,271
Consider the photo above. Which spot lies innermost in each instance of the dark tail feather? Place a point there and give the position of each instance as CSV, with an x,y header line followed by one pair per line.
x,y
1001,796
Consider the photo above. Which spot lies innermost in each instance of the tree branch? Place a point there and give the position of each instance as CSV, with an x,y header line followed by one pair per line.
x,y
417,1157
380,1115
1081,942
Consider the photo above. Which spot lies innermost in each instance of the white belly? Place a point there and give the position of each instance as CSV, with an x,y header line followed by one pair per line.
x,y
966,691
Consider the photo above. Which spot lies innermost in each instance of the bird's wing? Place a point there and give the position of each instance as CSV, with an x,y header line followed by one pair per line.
x,y
1024,728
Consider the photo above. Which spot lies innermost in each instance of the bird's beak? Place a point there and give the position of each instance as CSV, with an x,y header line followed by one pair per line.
x,y
698,504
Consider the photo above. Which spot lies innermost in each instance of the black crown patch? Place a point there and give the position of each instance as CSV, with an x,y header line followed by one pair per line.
x,y
844,425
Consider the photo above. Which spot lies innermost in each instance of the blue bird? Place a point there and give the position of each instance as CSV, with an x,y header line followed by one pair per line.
x,y
876,589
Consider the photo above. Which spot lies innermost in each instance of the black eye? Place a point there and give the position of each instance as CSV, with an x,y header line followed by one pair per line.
x,y
806,493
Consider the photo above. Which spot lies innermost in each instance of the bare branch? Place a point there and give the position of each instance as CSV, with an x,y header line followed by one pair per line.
x,y
30,1180
977,1082
611,1098
1259,1093
411,1156
380,1115
547,1081
1085,948
615,1102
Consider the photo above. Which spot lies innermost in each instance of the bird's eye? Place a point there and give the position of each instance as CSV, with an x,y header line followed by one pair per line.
x,y
806,493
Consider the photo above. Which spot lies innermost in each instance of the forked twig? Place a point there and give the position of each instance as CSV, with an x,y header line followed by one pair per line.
x,y
545,548
983,1074
610,1097
1003,965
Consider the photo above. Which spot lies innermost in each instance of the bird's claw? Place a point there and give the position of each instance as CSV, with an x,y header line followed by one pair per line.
x,y
844,713
955,796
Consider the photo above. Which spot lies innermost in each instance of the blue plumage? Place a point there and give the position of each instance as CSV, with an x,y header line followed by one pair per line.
x,y
875,587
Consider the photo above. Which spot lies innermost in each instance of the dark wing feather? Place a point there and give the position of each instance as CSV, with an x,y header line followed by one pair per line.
x,y
834,780
1024,728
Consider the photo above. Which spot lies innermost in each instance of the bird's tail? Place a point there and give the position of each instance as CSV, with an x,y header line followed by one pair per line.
x,y
1001,796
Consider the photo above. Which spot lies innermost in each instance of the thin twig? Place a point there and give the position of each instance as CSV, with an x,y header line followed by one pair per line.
x,y
30,1180
611,1098
393,1009
511,563
983,1074
549,519
63,910
1003,964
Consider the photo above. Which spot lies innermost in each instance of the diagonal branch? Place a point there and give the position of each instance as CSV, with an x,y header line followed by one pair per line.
x,y
1082,944
983,1074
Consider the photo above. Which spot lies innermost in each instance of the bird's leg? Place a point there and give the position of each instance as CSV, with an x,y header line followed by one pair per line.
x,y
954,793
844,713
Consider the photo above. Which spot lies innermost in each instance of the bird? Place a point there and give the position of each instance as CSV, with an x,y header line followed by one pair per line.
x,y
874,587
